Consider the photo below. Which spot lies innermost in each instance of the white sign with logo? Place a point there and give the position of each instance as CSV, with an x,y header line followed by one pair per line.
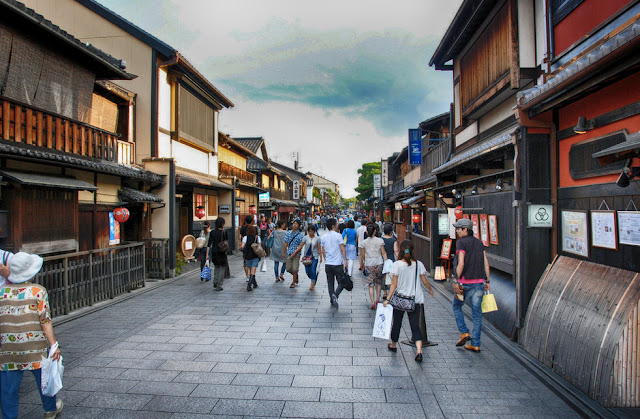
x,y
384,171
540,216
377,181
296,190
398,206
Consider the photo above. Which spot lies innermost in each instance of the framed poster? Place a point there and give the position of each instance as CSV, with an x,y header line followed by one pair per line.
x,y
443,224
575,235
445,253
604,230
629,227
484,230
476,225
493,229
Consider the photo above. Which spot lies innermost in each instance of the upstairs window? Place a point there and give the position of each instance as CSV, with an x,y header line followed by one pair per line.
x,y
582,165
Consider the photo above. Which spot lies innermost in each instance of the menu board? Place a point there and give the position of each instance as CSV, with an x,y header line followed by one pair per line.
x,y
603,229
476,225
484,230
493,229
629,227
445,253
575,235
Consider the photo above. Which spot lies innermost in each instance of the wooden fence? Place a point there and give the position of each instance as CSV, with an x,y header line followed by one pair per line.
x,y
157,258
80,279
422,249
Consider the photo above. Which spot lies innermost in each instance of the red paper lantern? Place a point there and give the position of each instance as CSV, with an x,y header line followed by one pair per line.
x,y
275,213
387,212
121,214
458,213
200,213
252,210
416,218
302,214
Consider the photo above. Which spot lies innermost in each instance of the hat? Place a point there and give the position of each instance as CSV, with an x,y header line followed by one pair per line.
x,y
24,266
463,223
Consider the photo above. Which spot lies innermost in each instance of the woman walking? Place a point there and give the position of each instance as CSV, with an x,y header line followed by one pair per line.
x,y
276,250
291,250
311,249
391,247
406,272
372,257
218,254
204,251
350,235
249,255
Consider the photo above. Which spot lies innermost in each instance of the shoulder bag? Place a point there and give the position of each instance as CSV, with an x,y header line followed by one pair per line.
x,y
258,250
307,259
405,302
223,246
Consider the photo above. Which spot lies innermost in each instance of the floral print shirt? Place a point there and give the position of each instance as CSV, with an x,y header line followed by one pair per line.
x,y
24,308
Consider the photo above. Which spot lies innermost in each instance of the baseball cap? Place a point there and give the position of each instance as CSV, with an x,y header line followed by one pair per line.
x,y
463,223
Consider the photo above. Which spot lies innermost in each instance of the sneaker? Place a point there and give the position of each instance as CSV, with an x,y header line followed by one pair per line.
x,y
54,414
334,301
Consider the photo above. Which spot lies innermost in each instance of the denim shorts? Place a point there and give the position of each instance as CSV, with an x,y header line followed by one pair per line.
x,y
252,263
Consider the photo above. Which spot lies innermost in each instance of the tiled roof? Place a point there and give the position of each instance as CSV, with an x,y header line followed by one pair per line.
x,y
252,143
113,68
63,159
188,176
36,179
256,164
575,70
134,195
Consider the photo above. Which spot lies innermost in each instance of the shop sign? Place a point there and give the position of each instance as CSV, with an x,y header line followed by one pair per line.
x,y
264,197
384,171
398,206
114,230
296,190
443,224
377,181
540,216
415,147
224,209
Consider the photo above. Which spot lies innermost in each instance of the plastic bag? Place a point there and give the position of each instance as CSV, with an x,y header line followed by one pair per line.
x,y
264,265
388,264
51,373
489,303
201,241
382,323
206,273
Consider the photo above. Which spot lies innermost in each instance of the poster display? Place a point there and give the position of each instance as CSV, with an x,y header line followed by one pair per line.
x,y
575,234
445,253
114,230
476,226
493,229
452,219
603,229
466,216
443,224
629,227
484,230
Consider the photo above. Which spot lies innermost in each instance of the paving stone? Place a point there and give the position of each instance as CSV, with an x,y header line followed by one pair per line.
x,y
224,391
288,393
317,410
382,382
367,371
116,400
241,368
401,395
187,366
70,412
93,372
274,380
266,408
204,377
264,350
323,381
160,388
143,364
106,385
352,395
220,357
326,360
286,350
274,359
387,410
149,375
181,404
296,369
132,414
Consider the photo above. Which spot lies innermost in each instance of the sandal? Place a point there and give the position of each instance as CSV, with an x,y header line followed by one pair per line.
x,y
293,285
391,348
281,278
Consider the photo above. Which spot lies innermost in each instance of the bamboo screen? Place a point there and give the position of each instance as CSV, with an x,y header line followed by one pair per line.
x,y
104,113
487,60
196,118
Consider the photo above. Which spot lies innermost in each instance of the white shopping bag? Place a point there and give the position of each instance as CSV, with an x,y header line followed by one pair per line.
x,y
388,265
382,324
264,265
51,374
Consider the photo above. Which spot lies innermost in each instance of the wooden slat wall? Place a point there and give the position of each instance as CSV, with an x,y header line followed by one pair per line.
x,y
577,319
35,127
196,118
626,381
488,59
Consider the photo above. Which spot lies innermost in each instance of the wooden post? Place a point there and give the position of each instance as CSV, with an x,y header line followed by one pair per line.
x,y
65,284
129,269
164,275
39,129
49,131
92,296
6,119
113,282
28,126
144,263
17,123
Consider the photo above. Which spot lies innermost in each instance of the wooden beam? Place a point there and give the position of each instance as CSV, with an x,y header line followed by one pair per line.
x,y
39,129
28,126
49,131
67,136
6,120
514,51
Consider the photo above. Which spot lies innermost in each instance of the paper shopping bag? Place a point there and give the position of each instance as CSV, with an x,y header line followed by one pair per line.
x,y
382,324
489,303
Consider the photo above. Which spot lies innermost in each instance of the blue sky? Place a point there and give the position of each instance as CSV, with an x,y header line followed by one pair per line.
x,y
338,82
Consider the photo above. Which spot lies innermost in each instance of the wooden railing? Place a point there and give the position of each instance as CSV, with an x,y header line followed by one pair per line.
x,y
422,249
397,186
278,194
157,258
227,169
435,157
80,279
27,125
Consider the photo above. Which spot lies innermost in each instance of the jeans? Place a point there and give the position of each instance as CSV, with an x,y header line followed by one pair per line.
x,y
473,293
334,272
10,384
275,268
312,270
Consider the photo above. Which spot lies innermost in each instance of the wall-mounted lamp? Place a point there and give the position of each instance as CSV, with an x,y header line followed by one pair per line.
x,y
457,195
582,126
499,185
474,190
440,196
454,191
626,175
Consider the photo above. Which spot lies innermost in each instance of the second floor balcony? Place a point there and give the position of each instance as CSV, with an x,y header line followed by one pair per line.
x,y
280,194
228,170
34,127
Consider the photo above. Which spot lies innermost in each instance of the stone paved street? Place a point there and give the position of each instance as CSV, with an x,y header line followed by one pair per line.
x,y
183,350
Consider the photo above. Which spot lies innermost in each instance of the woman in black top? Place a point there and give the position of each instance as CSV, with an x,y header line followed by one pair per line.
x,y
217,255
250,257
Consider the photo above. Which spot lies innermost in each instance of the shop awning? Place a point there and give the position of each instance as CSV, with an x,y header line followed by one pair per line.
x,y
283,202
476,152
413,199
286,209
49,181
134,195
203,180
625,150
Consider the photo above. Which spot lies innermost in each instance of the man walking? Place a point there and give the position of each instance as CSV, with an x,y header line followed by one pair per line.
x,y
335,259
472,279
248,220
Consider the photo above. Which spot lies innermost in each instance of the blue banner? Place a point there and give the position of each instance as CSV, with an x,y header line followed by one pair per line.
x,y
415,147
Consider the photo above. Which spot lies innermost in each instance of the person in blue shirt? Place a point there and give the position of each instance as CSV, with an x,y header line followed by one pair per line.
x,y
349,236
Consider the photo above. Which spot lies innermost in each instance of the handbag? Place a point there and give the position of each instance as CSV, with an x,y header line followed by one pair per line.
x,y
206,272
51,374
258,250
201,241
307,259
405,302
223,246
346,281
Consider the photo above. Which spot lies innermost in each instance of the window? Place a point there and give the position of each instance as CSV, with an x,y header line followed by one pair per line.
x,y
265,181
196,119
213,205
582,165
45,205
199,201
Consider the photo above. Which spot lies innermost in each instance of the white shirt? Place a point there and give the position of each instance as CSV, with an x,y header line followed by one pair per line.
x,y
373,254
361,230
308,241
407,279
331,242
244,239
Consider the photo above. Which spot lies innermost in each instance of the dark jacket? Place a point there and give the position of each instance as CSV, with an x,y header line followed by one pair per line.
x,y
217,256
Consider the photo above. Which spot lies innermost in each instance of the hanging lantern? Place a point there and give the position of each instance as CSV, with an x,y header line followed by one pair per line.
x,y
458,212
252,210
200,213
121,214
387,212
275,213
302,214
416,218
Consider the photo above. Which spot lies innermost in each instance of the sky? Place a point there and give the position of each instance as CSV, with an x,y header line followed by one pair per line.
x,y
338,83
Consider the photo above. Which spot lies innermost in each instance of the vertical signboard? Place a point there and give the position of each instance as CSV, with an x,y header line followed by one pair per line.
x,y
384,171
114,230
415,147
296,190
376,181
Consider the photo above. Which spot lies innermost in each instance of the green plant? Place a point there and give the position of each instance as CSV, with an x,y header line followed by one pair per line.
x,y
179,263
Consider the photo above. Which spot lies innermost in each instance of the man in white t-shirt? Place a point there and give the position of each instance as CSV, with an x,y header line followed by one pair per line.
x,y
335,259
